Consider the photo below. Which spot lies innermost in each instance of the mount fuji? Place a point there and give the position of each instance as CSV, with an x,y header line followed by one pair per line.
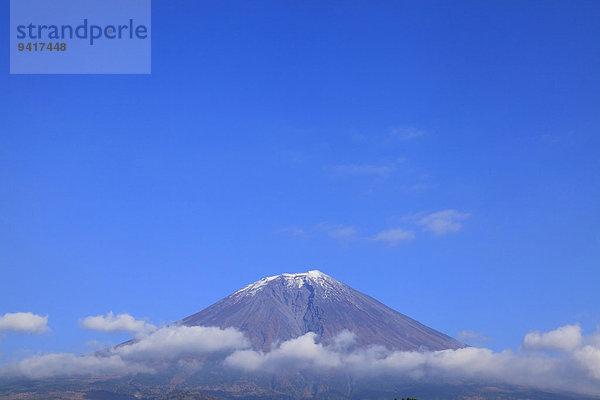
x,y
286,306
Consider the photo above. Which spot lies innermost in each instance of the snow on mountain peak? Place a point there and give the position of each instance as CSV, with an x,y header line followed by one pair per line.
x,y
295,279
315,273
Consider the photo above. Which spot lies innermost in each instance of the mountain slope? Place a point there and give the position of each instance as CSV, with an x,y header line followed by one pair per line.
x,y
286,306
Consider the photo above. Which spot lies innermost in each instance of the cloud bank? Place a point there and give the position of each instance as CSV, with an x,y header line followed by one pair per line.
x,y
67,364
394,237
147,353
575,368
23,322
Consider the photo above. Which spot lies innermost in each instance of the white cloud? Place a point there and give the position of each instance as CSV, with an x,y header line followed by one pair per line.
x,y
394,236
443,222
116,323
301,352
23,322
565,338
589,356
172,342
344,340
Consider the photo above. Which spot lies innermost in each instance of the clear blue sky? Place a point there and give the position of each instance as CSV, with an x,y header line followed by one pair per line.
x,y
284,136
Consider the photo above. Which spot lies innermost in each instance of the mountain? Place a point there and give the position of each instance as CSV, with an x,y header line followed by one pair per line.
x,y
287,306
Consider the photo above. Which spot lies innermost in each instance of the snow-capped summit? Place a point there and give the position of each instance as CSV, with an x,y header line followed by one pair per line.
x,y
286,306
313,277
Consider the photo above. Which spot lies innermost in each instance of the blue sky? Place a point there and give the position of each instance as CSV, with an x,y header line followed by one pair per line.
x,y
442,158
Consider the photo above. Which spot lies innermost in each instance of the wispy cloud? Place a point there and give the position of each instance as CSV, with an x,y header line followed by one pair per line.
x,y
116,323
23,322
379,170
549,138
441,223
405,133
346,233
362,169
394,237
472,338
339,232
293,230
